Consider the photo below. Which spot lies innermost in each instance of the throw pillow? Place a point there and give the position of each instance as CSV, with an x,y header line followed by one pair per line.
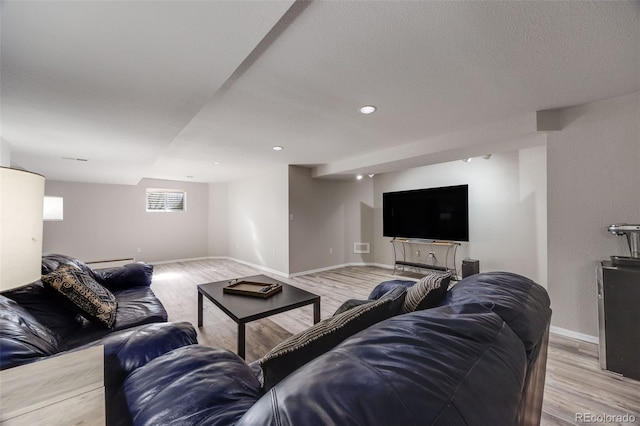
x,y
127,276
91,300
396,294
386,286
350,304
397,297
427,292
301,348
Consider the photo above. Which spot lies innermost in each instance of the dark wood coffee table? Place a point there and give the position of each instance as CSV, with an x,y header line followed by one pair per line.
x,y
244,309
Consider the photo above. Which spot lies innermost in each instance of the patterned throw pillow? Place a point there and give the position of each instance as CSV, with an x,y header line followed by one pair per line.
x,y
301,348
427,292
90,299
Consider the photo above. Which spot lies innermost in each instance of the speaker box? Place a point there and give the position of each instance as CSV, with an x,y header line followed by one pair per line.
x,y
470,267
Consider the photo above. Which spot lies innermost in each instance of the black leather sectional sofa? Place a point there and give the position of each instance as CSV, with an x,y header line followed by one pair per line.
x,y
479,358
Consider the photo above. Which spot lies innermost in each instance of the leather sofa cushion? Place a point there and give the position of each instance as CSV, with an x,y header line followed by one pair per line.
x,y
430,367
520,302
130,275
45,306
136,306
52,261
194,385
22,338
91,300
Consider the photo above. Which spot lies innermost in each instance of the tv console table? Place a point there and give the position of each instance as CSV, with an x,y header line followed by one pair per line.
x,y
403,254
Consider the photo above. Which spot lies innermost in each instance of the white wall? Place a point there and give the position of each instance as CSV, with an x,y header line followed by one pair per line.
x,y
5,153
594,181
507,203
533,196
326,218
110,221
218,219
258,216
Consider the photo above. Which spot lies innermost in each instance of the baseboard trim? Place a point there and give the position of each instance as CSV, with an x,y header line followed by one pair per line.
x,y
261,267
244,262
273,271
574,335
307,272
315,271
190,259
328,268
380,265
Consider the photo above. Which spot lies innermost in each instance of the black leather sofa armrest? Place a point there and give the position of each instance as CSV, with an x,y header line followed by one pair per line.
x,y
127,276
130,349
126,350
192,385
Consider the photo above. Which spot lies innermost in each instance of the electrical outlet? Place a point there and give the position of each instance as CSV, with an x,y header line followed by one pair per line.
x,y
138,250
418,253
331,251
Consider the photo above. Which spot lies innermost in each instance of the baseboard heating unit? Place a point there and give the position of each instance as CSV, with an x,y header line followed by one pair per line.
x,y
110,263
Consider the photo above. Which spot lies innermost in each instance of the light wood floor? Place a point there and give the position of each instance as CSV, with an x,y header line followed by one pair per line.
x,y
574,384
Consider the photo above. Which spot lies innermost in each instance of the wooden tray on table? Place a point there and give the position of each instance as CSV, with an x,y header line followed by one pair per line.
x,y
252,288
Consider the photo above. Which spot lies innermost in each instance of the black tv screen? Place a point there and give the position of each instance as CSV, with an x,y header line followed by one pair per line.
x,y
434,213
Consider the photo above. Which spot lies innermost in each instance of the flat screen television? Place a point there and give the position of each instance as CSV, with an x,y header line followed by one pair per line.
x,y
433,213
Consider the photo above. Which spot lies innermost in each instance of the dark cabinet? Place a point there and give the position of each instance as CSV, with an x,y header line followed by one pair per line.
x,y
619,319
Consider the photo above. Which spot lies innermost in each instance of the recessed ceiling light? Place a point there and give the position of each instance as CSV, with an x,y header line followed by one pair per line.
x,y
216,163
368,109
486,156
371,175
278,148
359,177
189,177
467,160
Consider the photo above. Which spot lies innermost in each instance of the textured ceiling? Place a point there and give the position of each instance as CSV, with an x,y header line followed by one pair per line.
x,y
168,89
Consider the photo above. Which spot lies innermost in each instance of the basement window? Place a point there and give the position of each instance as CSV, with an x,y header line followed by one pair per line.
x,y
166,200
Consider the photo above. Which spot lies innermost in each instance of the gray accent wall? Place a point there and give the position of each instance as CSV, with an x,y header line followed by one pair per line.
x,y
104,221
594,181
326,218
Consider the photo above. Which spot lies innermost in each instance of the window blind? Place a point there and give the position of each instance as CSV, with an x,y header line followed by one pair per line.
x,y
166,200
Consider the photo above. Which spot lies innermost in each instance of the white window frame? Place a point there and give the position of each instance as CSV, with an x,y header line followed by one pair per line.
x,y
163,197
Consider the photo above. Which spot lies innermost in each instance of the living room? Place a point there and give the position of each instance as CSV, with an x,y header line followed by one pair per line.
x,y
524,208
559,169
